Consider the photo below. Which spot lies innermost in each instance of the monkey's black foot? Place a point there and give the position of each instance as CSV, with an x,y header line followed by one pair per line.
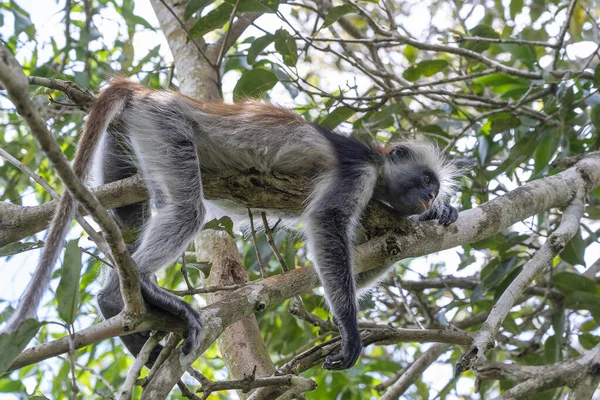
x,y
449,215
351,349
158,297
192,339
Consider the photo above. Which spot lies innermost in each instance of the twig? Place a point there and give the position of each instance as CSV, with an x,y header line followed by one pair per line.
x,y
250,382
263,271
186,278
96,374
209,289
479,39
298,310
415,370
224,43
97,238
141,360
563,32
272,242
187,393
74,387
189,35
172,341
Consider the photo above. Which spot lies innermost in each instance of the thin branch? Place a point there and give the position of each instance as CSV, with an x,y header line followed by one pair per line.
x,y
479,39
204,290
97,238
542,259
563,32
83,98
141,360
250,382
222,48
415,370
190,37
172,341
263,271
271,242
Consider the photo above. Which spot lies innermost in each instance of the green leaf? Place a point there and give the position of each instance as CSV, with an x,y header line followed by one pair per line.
x,y
580,300
515,7
574,250
500,79
432,67
483,31
588,341
285,44
213,20
336,117
506,282
224,224
552,350
261,6
336,13
424,68
22,21
588,326
597,76
194,6
12,344
258,46
596,117
19,247
411,53
500,125
568,282
254,83
67,293
7,385
544,153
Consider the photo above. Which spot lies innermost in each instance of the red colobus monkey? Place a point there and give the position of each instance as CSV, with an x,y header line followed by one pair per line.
x,y
167,137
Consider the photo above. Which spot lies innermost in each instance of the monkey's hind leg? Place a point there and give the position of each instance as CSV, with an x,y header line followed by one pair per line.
x,y
170,162
117,164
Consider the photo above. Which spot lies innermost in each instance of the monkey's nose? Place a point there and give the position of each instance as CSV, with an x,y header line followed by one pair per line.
x,y
431,196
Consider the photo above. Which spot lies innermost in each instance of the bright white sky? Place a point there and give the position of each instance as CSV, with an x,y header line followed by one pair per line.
x,y
47,16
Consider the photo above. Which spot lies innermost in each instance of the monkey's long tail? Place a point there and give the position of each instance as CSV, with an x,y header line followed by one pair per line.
x,y
108,105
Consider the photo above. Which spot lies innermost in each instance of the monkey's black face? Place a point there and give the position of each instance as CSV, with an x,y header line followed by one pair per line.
x,y
411,189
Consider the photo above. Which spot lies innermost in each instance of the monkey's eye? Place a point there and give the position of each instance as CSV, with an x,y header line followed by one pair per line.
x,y
427,179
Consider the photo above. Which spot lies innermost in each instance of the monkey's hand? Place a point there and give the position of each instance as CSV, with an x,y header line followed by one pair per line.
x,y
160,298
351,348
446,214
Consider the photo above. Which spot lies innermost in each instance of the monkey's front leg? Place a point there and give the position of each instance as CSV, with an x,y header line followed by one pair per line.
x,y
331,217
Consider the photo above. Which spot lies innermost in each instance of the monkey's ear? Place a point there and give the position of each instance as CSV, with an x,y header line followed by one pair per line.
x,y
399,153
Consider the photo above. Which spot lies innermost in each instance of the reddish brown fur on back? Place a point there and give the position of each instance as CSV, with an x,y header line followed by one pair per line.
x,y
251,110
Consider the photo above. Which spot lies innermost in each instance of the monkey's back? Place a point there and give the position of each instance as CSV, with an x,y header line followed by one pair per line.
x,y
242,136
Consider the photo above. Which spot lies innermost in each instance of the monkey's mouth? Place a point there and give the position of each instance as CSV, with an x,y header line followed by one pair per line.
x,y
426,204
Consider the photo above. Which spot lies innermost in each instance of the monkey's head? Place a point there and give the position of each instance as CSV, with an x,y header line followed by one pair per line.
x,y
415,177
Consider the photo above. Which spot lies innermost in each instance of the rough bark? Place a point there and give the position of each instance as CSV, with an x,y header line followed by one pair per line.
x,y
241,344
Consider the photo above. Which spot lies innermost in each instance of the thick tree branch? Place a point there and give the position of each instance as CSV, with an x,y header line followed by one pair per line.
x,y
579,373
542,259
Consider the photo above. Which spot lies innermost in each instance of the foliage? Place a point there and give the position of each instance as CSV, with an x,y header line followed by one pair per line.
x,y
476,80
